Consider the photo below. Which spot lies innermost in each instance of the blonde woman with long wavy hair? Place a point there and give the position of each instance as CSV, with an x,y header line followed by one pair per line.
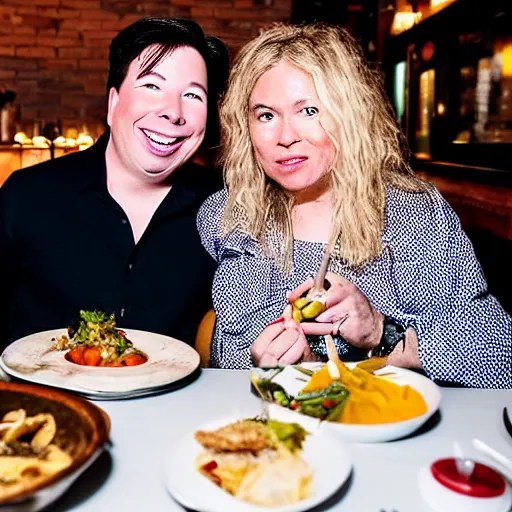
x,y
313,158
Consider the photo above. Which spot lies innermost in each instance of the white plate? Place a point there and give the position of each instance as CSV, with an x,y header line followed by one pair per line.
x,y
33,359
292,381
327,457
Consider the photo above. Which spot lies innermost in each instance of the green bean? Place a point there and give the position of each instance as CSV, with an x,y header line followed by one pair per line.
x,y
309,396
335,413
304,370
313,401
335,387
320,399
317,411
341,394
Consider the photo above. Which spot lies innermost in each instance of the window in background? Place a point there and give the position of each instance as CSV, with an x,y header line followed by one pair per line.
x,y
425,114
468,112
399,91
485,111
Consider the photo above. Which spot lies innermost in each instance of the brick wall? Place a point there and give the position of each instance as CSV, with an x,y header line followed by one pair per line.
x,y
54,53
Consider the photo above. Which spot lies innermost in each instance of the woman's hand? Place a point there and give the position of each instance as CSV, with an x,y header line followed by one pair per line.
x,y
281,342
349,314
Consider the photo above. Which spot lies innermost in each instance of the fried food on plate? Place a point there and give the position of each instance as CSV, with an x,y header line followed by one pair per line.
x,y
257,461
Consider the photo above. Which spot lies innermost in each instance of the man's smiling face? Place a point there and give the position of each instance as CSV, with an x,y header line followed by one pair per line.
x,y
158,119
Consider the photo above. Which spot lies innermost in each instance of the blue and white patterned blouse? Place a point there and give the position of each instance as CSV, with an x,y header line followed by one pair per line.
x,y
427,277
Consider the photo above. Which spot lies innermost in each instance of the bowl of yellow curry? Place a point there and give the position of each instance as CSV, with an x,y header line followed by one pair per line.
x,y
349,401
47,439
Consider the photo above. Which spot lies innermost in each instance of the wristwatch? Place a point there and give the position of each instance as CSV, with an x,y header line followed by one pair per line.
x,y
392,334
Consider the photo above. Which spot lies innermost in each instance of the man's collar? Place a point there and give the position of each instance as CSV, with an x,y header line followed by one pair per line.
x,y
94,172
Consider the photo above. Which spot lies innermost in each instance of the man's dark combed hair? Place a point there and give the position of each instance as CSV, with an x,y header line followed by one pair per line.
x,y
167,34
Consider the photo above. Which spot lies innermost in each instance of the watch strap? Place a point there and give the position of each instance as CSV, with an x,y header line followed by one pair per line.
x,y
392,334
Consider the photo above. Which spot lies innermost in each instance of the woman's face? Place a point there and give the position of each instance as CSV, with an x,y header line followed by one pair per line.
x,y
284,123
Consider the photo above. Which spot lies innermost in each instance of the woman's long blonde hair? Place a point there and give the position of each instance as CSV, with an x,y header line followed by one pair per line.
x,y
369,145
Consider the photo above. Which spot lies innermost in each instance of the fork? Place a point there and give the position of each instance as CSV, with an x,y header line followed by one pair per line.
x,y
318,291
507,422
505,464
314,303
264,414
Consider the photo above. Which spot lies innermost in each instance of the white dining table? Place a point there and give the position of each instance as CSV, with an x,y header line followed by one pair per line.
x,y
129,475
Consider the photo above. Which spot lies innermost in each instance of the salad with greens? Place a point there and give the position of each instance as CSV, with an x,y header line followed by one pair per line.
x,y
97,330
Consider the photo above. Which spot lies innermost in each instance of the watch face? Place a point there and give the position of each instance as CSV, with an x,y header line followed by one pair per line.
x,y
393,334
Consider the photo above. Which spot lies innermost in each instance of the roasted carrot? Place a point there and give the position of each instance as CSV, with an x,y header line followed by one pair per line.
x,y
92,356
77,354
133,360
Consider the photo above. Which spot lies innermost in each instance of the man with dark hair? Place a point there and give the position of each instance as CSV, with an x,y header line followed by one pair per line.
x,y
113,227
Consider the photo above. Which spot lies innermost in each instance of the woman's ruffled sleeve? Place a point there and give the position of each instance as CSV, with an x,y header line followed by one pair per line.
x,y
209,222
245,295
464,334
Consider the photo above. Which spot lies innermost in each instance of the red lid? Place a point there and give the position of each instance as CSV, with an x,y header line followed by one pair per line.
x,y
485,482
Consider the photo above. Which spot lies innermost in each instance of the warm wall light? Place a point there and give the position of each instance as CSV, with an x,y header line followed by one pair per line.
x,y
506,69
437,3
40,141
404,21
21,138
64,143
441,109
84,141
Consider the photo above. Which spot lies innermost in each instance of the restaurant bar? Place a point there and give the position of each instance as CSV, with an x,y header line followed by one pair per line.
x,y
448,73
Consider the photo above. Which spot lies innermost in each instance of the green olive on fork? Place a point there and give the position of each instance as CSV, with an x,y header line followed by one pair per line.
x,y
305,308
314,302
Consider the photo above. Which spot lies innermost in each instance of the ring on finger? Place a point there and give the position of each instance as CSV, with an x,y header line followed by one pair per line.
x,y
337,325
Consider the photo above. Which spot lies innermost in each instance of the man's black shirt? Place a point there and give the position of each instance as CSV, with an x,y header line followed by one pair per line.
x,y
66,245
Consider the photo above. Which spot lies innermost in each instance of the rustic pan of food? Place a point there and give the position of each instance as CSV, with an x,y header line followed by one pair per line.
x,y
47,438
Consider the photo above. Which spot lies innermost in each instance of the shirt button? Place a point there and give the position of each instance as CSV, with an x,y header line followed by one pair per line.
x,y
124,221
